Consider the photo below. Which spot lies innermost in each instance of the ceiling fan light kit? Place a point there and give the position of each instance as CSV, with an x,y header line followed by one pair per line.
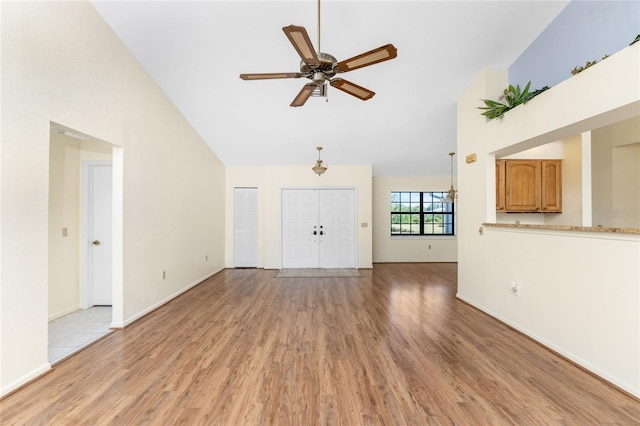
x,y
321,67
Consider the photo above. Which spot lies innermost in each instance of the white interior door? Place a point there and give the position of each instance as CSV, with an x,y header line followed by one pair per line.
x,y
318,228
245,228
100,233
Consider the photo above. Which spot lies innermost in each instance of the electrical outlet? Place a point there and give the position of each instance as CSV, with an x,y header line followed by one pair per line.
x,y
513,286
429,246
164,275
206,257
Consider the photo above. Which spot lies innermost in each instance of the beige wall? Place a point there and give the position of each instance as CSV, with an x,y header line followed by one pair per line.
x,y
66,155
580,292
65,65
271,180
404,248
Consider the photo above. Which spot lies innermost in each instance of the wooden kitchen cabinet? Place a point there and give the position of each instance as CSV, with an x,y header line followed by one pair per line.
x,y
529,186
551,186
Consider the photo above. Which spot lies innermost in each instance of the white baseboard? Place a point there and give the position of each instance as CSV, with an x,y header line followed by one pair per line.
x,y
6,389
163,301
557,349
63,313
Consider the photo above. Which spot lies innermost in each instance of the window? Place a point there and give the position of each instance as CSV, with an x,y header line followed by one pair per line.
x,y
421,213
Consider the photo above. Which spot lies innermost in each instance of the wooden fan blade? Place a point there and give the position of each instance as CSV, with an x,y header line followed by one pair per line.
x,y
381,54
304,94
352,89
302,43
268,76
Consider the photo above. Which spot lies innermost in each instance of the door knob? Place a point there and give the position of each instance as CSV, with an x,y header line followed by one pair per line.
x,y
95,243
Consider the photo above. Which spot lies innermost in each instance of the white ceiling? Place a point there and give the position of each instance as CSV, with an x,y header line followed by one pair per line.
x,y
196,50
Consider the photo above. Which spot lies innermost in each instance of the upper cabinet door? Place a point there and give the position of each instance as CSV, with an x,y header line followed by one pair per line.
x,y
523,185
551,186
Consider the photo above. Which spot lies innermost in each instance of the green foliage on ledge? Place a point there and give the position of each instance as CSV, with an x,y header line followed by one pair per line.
x,y
587,64
513,96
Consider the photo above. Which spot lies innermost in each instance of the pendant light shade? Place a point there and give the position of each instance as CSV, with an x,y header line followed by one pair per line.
x,y
319,169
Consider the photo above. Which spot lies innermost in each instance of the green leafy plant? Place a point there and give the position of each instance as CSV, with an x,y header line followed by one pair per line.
x,y
587,64
513,97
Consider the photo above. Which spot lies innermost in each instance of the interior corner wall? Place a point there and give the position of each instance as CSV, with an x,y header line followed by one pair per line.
x,y
579,291
173,183
408,248
271,180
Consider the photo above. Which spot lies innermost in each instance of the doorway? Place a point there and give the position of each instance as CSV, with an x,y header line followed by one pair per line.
x,y
71,323
318,228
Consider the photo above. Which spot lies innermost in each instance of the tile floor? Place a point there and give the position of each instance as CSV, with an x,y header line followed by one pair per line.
x,y
74,331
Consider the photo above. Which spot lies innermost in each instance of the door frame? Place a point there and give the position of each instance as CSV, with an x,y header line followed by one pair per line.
x,y
86,298
355,216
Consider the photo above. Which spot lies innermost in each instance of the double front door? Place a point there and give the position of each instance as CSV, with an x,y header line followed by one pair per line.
x,y
318,228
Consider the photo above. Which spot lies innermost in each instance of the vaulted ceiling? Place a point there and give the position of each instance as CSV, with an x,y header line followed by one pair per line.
x,y
195,52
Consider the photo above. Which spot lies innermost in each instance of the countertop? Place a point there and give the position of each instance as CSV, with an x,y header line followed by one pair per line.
x,y
566,228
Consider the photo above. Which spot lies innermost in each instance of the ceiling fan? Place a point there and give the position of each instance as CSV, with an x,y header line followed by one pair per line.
x,y
321,67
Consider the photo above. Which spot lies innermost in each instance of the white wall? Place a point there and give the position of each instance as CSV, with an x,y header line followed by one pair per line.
x,y
61,63
272,179
404,248
580,291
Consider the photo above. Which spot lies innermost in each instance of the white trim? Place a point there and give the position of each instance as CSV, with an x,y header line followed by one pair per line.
x,y
164,301
21,381
570,356
63,313
117,241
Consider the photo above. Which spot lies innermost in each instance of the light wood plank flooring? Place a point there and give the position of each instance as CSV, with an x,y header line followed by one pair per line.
x,y
392,347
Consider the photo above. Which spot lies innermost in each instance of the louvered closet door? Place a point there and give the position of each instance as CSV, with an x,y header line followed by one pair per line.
x,y
245,228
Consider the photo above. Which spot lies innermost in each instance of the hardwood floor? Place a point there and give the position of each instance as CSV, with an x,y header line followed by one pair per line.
x,y
392,347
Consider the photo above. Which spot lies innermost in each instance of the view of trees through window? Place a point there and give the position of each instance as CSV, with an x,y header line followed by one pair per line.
x,y
421,213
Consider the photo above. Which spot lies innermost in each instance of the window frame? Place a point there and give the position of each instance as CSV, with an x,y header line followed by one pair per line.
x,y
406,203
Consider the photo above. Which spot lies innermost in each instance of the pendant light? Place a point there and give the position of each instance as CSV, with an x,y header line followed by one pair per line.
x,y
452,194
319,169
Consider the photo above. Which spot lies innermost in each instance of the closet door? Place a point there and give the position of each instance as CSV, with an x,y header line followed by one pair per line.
x,y
245,228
